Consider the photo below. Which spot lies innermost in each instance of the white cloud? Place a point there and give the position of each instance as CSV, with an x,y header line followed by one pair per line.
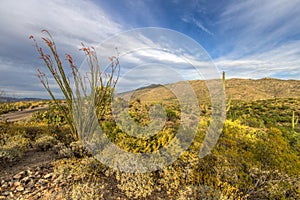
x,y
157,46
278,62
70,22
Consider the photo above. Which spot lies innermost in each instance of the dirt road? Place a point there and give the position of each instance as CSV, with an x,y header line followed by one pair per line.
x,y
21,115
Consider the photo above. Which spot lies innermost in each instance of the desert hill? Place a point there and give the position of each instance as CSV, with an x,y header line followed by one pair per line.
x,y
237,89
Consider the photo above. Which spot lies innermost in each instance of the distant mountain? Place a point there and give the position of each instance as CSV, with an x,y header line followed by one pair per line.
x,y
238,89
14,99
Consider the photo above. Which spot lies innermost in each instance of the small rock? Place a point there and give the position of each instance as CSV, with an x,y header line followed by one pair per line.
x,y
26,192
29,172
48,175
20,188
17,183
6,193
31,176
10,183
30,183
4,185
26,180
2,197
39,194
43,182
17,176
63,184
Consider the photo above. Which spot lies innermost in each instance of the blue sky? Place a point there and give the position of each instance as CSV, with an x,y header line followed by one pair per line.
x,y
247,39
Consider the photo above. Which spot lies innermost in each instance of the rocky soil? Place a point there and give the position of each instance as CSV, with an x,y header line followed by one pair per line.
x,y
30,177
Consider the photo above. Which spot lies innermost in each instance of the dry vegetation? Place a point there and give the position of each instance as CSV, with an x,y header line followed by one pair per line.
x,y
256,157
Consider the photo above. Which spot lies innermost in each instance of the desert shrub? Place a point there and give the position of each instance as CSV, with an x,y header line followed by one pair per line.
x,y
240,148
77,191
74,149
86,191
170,180
192,192
171,114
63,151
198,192
82,178
251,121
80,170
140,145
135,185
45,142
52,116
139,113
294,141
9,107
79,150
32,131
272,184
274,152
14,148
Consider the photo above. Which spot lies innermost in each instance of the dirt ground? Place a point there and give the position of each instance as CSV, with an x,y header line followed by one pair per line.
x,y
30,159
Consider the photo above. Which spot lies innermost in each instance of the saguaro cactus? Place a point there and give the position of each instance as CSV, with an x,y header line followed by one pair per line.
x,y
294,120
224,81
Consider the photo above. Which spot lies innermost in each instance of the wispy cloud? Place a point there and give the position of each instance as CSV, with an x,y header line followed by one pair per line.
x,y
70,19
256,26
261,38
196,22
